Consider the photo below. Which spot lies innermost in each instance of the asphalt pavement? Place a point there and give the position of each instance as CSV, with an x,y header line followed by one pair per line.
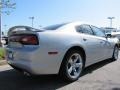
x,y
104,75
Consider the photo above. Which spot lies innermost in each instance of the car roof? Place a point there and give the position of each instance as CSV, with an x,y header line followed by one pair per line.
x,y
70,26
78,23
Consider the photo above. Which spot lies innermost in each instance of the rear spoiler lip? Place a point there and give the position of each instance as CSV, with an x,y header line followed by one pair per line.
x,y
27,28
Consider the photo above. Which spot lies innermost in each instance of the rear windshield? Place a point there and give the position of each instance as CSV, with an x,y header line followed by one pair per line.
x,y
54,27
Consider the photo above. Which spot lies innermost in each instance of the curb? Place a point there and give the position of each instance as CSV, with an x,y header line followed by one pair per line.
x,y
3,62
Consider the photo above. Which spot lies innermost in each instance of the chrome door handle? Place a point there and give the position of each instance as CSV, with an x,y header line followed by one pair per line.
x,y
84,39
101,42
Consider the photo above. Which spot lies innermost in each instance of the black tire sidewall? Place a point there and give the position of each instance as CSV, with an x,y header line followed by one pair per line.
x,y
113,57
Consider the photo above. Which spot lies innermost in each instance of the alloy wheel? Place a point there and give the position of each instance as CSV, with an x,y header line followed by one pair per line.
x,y
74,66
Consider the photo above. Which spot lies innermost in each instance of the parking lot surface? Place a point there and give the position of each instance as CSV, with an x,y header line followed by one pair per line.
x,y
104,75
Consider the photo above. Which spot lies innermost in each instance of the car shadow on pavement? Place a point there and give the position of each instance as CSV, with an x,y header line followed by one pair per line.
x,y
13,80
96,66
115,88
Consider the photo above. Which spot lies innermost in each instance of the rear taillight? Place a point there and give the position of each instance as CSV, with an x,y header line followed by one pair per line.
x,y
29,40
25,39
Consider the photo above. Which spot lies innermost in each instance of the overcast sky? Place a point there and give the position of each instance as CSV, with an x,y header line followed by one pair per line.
x,y
47,12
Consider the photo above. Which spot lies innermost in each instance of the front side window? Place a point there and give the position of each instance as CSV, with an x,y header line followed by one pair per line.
x,y
98,31
84,29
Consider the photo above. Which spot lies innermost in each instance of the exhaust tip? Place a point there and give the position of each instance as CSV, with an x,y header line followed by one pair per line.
x,y
26,73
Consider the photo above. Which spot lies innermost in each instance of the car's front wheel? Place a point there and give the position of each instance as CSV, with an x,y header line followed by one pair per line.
x,y
72,65
115,53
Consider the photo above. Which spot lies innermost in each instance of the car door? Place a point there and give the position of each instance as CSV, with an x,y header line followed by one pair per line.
x,y
92,44
103,42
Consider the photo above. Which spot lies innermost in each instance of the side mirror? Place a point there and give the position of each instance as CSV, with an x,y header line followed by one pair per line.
x,y
108,35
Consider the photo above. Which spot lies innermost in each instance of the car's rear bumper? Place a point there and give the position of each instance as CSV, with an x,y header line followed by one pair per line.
x,y
36,61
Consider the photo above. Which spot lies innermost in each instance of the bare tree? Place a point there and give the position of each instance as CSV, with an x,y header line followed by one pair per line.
x,y
5,8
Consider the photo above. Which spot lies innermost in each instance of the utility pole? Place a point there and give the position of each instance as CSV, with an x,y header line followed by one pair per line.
x,y
32,18
5,28
4,6
111,19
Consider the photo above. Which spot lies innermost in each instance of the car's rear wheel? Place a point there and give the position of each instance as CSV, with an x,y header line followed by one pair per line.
x,y
72,65
115,53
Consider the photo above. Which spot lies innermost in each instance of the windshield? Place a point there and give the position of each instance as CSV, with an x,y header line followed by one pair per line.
x,y
54,27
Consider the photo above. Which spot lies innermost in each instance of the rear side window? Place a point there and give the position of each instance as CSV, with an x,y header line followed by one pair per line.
x,y
84,29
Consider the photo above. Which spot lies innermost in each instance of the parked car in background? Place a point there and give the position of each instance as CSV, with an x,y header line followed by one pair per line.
x,y
5,40
112,31
110,34
116,34
64,49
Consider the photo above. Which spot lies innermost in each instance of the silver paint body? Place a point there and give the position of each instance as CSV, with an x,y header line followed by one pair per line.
x,y
36,60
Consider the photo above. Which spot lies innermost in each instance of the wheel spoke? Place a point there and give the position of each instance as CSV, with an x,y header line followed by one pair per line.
x,y
70,70
70,61
78,65
76,58
75,73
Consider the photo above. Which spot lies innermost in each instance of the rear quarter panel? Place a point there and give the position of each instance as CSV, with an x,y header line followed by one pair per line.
x,y
59,42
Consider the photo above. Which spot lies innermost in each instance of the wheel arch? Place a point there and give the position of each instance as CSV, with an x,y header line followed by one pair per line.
x,y
74,48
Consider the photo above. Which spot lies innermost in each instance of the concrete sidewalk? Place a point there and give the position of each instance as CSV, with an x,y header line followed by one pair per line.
x,y
3,62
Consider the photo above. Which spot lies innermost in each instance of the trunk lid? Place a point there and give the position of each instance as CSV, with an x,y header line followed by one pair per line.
x,y
20,36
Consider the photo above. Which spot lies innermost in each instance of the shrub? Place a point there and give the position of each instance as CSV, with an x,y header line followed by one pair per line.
x,y
2,53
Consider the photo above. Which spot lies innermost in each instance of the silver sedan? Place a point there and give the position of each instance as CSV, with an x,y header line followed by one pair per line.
x,y
64,49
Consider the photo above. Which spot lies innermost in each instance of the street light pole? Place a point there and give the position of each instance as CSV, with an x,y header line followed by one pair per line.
x,y
32,18
0,27
111,18
5,28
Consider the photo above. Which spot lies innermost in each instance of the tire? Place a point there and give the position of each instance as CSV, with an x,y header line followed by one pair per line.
x,y
115,53
72,66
